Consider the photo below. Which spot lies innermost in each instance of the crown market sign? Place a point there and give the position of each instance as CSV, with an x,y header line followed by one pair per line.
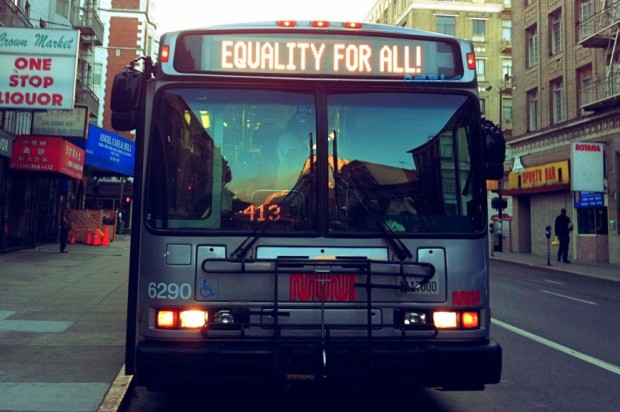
x,y
38,68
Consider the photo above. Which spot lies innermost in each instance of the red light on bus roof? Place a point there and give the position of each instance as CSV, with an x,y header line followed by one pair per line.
x,y
352,25
471,61
165,54
319,23
287,23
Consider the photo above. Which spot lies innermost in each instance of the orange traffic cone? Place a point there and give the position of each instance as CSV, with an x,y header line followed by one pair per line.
x,y
89,239
96,238
72,239
106,237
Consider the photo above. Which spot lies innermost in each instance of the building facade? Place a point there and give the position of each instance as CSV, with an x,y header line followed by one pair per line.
x,y
111,33
30,201
566,102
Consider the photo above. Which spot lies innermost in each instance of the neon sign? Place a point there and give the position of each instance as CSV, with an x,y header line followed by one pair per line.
x,y
318,55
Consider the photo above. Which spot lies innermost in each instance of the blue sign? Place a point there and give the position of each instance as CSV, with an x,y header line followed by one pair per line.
x,y
589,199
109,151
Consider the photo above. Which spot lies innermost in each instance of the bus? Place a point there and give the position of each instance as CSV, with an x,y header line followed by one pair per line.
x,y
309,207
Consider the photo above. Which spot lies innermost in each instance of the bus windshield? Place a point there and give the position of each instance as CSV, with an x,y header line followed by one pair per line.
x,y
240,159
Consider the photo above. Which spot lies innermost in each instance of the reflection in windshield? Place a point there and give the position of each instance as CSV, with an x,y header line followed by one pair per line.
x,y
244,159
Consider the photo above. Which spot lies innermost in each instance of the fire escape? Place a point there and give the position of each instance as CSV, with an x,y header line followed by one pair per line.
x,y
602,30
85,18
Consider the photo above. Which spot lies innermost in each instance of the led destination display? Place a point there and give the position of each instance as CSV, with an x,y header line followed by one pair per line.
x,y
318,55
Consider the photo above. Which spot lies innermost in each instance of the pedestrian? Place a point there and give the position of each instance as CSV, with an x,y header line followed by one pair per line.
x,y
563,227
65,226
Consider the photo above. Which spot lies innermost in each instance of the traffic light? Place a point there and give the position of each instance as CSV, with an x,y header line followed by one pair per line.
x,y
499,203
127,200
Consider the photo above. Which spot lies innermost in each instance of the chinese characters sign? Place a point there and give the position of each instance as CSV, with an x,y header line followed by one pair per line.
x,y
38,68
47,154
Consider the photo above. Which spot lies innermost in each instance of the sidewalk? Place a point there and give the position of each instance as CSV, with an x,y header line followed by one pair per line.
x,y
597,270
62,323
62,327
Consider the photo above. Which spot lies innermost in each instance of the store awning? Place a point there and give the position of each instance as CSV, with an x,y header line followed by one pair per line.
x,y
47,154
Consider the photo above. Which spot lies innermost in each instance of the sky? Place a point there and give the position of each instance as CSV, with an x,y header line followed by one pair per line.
x,y
181,14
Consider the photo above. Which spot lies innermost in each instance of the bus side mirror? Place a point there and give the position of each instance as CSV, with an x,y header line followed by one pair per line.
x,y
494,150
127,91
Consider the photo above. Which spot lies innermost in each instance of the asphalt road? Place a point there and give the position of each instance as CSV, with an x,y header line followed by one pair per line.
x,y
558,333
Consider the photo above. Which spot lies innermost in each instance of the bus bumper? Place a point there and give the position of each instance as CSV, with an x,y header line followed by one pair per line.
x,y
452,366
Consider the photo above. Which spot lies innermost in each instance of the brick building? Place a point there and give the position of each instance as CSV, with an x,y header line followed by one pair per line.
x,y
565,63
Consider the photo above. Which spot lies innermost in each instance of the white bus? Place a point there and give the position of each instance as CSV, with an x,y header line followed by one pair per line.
x,y
309,206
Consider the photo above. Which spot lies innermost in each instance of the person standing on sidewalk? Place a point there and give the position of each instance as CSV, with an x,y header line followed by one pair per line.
x,y
65,227
563,227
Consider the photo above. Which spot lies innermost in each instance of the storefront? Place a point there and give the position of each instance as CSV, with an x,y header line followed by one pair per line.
x,y
573,178
43,173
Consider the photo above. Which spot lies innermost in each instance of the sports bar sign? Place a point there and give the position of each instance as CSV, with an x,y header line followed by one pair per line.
x,y
38,68
47,154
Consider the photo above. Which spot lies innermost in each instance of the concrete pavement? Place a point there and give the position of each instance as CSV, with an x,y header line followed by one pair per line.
x,y
62,327
62,323
597,270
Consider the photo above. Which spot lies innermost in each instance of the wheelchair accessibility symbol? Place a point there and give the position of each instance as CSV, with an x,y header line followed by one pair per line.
x,y
207,291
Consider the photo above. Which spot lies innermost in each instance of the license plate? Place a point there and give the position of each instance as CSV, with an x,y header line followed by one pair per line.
x,y
318,287
417,287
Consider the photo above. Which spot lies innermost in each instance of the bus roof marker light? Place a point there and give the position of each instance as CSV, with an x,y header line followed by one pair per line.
x,y
287,23
164,56
319,23
352,25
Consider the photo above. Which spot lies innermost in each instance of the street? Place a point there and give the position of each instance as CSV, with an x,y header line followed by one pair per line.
x,y
557,332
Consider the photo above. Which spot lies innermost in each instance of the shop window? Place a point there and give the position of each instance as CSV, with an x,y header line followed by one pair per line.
x,y
592,220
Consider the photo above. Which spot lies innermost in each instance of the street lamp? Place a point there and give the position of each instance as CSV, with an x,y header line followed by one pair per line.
x,y
500,201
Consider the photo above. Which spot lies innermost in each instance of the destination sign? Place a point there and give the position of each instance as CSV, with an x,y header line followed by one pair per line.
x,y
318,55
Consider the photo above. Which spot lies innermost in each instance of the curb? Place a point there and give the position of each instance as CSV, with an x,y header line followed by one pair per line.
x,y
115,396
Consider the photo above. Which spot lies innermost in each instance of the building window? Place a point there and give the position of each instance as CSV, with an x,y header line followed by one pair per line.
x,y
481,69
507,31
592,220
97,74
586,90
62,7
557,101
506,70
532,46
445,25
478,29
532,111
555,23
586,24
507,112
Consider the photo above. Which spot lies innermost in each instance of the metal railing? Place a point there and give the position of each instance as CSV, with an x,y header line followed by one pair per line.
x,y
84,95
87,20
600,21
601,90
12,16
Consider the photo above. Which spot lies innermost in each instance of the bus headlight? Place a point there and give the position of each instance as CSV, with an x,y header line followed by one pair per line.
x,y
456,320
192,319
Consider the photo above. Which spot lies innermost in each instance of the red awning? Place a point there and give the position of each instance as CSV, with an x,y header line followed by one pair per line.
x,y
47,154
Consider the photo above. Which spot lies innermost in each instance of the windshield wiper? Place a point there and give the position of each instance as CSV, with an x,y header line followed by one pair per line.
x,y
305,179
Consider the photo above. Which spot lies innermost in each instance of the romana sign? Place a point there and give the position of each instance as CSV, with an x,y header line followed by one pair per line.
x,y
38,68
